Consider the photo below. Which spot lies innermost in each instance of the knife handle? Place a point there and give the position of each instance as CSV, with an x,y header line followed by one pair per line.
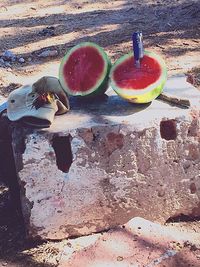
x,y
138,49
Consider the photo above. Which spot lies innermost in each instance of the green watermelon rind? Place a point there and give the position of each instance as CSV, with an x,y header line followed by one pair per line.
x,y
101,85
143,95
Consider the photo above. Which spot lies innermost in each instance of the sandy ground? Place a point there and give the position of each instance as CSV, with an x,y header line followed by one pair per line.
x,y
170,28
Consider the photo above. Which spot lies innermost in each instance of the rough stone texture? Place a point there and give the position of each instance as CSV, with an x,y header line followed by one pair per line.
x,y
138,243
118,160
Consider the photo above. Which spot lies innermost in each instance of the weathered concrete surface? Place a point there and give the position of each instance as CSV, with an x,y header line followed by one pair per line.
x,y
128,161
139,243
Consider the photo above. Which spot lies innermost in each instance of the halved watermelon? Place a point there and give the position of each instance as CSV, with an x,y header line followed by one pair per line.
x,y
139,85
84,70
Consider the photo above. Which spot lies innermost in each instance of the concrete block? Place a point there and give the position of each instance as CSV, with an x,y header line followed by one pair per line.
x,y
108,161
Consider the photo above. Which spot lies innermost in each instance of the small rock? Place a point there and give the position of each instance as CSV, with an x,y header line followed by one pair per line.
x,y
2,61
9,56
48,31
29,59
51,28
48,53
13,59
21,60
7,64
120,258
191,79
69,244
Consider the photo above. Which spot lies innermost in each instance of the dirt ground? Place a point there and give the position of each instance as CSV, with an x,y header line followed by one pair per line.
x,y
170,28
28,27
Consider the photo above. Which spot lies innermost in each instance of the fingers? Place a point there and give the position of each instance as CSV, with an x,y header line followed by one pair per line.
x,y
48,84
40,86
64,99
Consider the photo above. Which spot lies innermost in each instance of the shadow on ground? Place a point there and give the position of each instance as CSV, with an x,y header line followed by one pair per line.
x,y
160,25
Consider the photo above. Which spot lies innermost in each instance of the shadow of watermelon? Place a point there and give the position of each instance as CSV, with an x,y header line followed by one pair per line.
x,y
106,105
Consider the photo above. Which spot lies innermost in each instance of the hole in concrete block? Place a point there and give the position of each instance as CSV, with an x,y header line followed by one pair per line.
x,y
63,151
168,129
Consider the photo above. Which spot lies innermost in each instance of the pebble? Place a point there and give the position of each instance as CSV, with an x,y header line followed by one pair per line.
x,y
51,28
7,64
21,60
48,53
2,61
29,59
120,258
48,31
9,56
13,59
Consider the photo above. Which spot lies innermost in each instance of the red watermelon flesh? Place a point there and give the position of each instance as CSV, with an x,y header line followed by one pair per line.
x,y
139,85
126,75
83,68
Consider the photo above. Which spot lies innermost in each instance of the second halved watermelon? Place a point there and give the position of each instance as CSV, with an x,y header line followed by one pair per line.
x,y
84,70
139,85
